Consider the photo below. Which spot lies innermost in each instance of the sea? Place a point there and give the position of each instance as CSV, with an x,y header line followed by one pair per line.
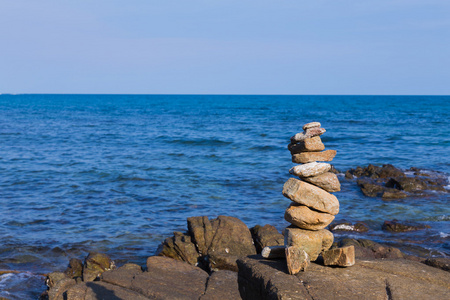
x,y
120,173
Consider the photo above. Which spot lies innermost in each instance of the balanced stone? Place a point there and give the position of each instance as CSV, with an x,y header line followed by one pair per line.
x,y
307,194
313,242
308,133
297,259
306,218
327,181
273,252
311,125
310,169
342,257
307,157
307,145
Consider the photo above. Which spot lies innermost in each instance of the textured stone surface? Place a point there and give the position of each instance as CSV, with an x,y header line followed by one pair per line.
x,y
266,235
313,242
95,264
397,226
312,196
327,181
307,157
342,257
310,169
201,231
272,252
75,268
268,279
309,133
367,249
296,259
307,145
305,218
311,125
222,285
180,247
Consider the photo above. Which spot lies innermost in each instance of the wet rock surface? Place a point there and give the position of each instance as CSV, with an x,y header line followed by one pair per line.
x,y
391,183
397,226
348,226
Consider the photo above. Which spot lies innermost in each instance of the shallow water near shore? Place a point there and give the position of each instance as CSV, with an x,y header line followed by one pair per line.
x,y
119,173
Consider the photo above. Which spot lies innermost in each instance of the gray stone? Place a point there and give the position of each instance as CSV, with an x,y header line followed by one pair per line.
x,y
268,279
271,252
311,125
222,285
312,196
310,169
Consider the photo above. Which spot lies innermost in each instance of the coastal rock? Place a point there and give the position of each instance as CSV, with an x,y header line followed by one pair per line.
x,y
307,145
101,290
305,218
266,235
202,233
122,276
370,189
342,257
56,292
371,171
311,125
271,252
309,133
180,247
75,268
347,226
389,194
442,263
396,226
313,242
307,157
367,249
219,242
327,181
95,264
268,279
222,285
311,196
310,169
408,184
296,259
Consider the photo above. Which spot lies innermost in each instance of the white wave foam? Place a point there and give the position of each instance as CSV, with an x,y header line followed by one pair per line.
x,y
444,235
344,227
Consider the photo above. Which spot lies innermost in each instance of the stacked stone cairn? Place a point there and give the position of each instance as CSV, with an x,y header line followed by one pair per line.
x,y
313,206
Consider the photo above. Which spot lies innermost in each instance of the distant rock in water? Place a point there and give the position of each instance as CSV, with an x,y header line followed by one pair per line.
x,y
397,226
389,182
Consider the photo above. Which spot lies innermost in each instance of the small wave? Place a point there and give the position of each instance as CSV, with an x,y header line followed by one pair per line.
x,y
444,235
201,142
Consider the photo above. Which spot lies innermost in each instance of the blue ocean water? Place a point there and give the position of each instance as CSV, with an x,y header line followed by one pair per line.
x,y
119,173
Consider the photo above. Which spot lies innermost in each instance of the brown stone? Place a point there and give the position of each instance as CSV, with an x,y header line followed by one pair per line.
x,y
310,169
271,252
266,235
307,194
297,259
305,218
307,145
95,264
306,157
313,242
342,257
327,181
311,125
222,285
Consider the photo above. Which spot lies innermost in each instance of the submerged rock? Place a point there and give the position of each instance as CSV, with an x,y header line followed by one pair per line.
x,y
396,226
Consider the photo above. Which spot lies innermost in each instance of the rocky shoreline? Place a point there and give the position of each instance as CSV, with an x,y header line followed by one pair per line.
x,y
221,259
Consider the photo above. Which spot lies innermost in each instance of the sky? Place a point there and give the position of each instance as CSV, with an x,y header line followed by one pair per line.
x,y
315,47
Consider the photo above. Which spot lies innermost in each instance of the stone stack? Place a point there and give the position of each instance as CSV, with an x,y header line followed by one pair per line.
x,y
313,206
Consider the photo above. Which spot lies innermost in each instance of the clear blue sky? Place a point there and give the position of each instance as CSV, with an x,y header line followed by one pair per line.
x,y
225,47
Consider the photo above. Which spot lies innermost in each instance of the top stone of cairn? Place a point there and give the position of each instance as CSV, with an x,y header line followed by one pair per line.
x,y
311,125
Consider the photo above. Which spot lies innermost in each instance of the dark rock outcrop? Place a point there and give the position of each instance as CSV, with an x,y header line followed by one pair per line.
x,y
392,183
348,226
396,226
367,249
